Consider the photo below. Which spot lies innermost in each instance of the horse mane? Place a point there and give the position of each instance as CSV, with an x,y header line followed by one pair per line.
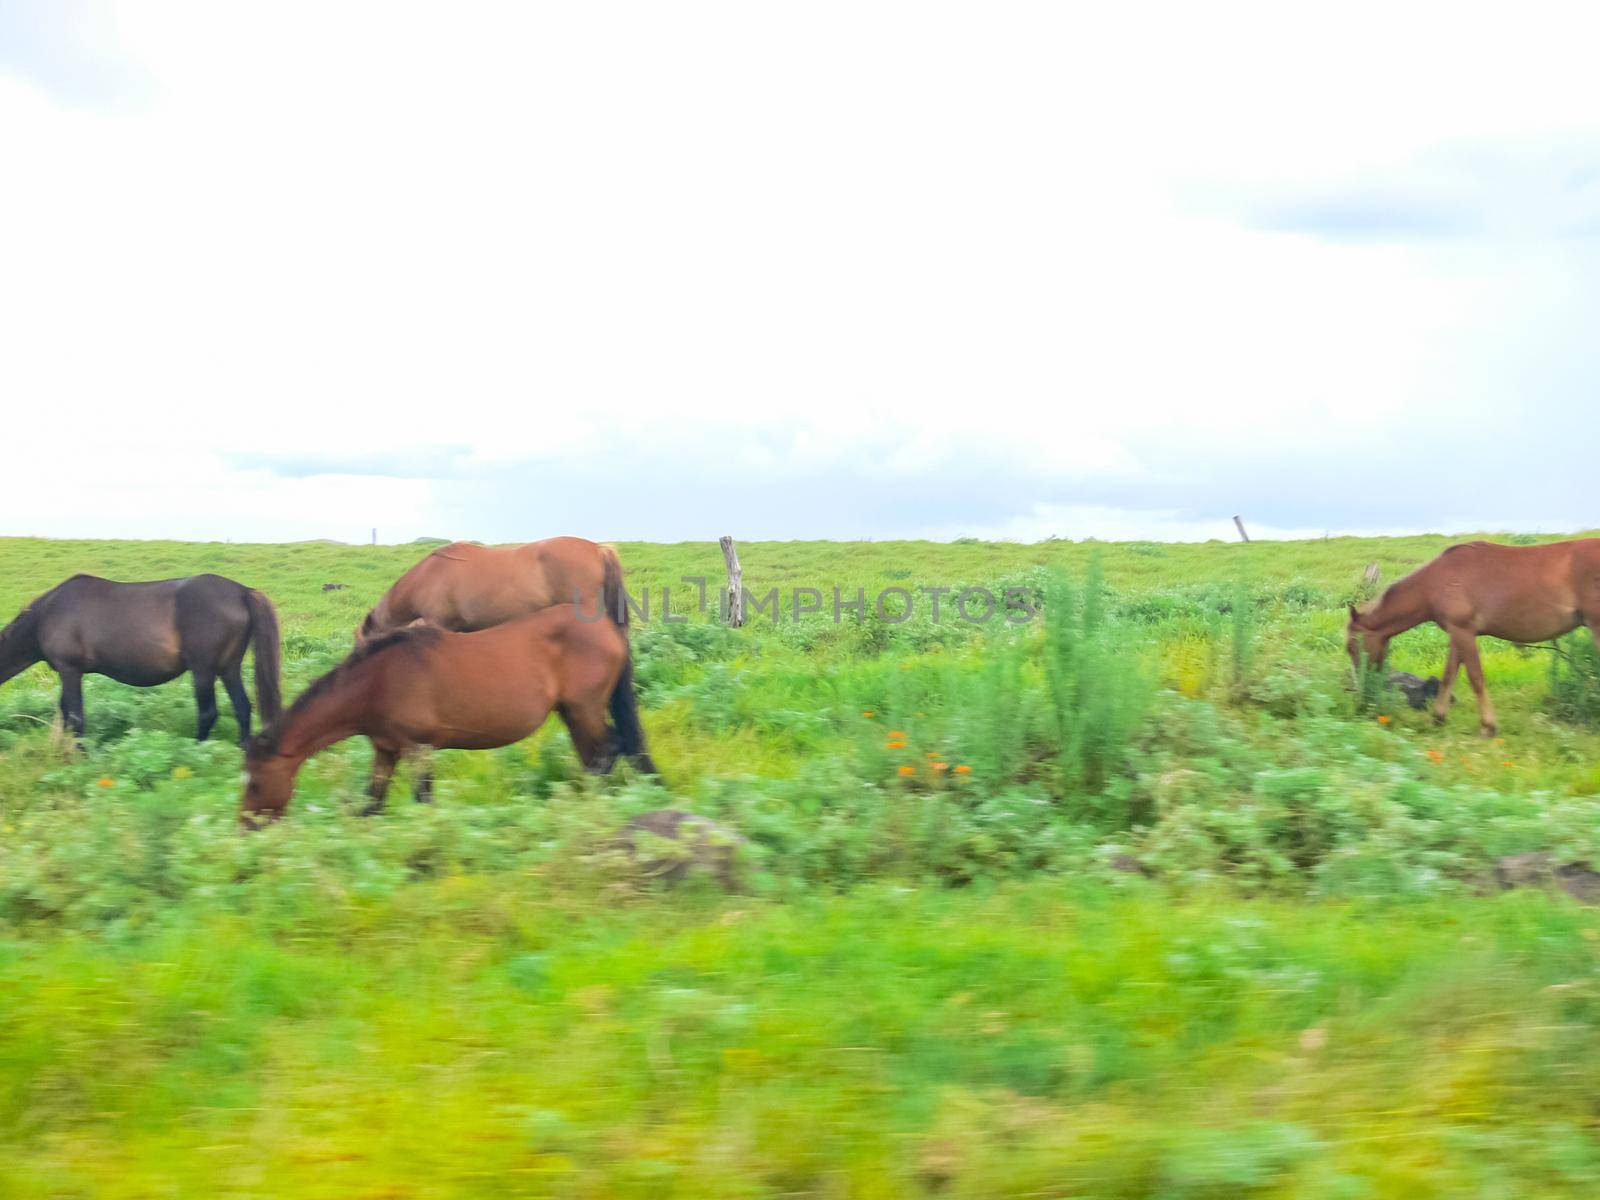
x,y
265,743
443,551
1394,593
1410,579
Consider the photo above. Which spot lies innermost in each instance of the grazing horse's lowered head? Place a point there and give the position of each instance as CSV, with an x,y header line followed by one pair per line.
x,y
1363,641
269,776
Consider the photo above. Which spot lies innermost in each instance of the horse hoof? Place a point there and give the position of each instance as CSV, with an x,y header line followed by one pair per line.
x,y
1440,718
1488,731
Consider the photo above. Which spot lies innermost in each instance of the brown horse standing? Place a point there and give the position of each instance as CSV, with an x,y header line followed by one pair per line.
x,y
423,686
465,587
149,633
1518,593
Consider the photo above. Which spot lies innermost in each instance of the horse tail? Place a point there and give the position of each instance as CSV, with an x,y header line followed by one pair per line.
x,y
264,638
625,717
613,599
624,699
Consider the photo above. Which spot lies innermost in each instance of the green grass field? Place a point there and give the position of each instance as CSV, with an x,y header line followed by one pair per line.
x,y
937,980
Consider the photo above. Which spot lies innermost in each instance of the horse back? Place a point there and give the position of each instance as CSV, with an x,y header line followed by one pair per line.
x,y
1521,593
128,631
465,587
574,650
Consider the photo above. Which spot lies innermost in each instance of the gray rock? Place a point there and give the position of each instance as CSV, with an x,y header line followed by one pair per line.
x,y
1538,869
1129,865
1579,882
670,845
1523,870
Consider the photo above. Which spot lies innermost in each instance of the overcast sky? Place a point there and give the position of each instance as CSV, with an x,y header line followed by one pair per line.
x,y
671,270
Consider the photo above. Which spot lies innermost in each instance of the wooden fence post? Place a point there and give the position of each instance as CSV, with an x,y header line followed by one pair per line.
x,y
1238,524
734,603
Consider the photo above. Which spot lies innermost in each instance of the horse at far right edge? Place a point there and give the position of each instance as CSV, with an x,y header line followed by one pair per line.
x,y
1520,594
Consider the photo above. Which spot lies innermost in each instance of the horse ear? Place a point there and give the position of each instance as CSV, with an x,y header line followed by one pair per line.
x,y
1355,616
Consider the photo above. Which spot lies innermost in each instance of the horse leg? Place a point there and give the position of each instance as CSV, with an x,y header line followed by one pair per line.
x,y
72,702
205,702
1447,683
422,775
592,738
233,681
383,764
1487,724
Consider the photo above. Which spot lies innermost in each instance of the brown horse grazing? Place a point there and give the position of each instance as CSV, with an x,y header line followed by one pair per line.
x,y
148,633
423,686
465,587
1518,593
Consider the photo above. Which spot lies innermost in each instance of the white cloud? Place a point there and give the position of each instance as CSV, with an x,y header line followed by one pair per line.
x,y
837,244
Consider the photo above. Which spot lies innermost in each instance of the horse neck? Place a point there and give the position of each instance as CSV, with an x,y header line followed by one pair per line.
x,y
1404,606
19,646
318,722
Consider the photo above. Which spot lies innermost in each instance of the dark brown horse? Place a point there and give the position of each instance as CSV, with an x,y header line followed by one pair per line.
x,y
149,633
1479,589
423,686
465,587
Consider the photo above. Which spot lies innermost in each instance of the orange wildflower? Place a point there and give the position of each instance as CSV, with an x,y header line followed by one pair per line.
x,y
895,745
1383,720
897,733
939,766
963,769
1436,755
908,770
869,714
106,781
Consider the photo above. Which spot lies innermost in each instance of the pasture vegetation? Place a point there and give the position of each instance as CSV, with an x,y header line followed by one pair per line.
x,y
941,978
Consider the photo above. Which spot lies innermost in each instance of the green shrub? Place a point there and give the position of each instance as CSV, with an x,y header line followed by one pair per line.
x,y
1096,692
1575,680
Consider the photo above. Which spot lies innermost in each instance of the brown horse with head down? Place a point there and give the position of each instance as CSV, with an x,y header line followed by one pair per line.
x,y
148,633
423,686
1480,589
465,587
